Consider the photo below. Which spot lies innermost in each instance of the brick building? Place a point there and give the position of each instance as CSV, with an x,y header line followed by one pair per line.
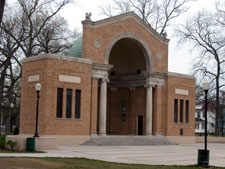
x,y
115,81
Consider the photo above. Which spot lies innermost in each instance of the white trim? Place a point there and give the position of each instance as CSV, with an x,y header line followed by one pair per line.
x,y
70,79
182,92
56,56
181,75
33,78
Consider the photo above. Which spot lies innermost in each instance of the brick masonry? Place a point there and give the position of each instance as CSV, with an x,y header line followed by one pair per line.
x,y
49,67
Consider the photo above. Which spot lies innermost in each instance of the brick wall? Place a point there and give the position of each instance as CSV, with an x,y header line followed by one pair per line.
x,y
185,84
49,71
106,34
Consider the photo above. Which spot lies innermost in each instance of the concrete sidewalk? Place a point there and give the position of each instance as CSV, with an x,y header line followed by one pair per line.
x,y
154,155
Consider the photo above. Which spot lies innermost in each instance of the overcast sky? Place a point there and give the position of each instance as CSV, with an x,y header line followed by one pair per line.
x,y
180,58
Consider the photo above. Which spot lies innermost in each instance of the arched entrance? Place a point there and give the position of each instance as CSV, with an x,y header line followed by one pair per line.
x,y
126,93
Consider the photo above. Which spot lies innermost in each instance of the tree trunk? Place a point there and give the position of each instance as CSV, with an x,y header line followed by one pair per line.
x,y
2,5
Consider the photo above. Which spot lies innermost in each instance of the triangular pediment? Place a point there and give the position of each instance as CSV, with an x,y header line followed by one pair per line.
x,y
119,18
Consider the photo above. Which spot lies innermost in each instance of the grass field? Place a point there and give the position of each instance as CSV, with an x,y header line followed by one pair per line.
x,y
76,163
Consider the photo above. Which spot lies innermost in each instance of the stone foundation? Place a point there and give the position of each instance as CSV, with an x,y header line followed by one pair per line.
x,y
47,142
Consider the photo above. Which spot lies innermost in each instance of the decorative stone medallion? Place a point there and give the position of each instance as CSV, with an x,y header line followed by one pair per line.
x,y
159,55
97,43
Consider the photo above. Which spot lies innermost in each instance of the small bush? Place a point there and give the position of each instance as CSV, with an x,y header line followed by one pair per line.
x,y
11,144
2,141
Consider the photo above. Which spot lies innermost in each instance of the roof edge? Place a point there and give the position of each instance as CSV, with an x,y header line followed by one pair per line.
x,y
57,56
124,16
186,76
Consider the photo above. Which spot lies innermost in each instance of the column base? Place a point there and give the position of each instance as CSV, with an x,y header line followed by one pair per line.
x,y
94,135
102,134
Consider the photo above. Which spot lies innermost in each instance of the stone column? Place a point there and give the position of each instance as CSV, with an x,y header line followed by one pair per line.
x,y
103,102
148,128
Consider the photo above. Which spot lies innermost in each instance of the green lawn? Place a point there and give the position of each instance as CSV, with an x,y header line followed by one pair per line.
x,y
76,163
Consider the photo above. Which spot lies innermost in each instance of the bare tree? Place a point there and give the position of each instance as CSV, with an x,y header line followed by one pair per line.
x,y
118,7
29,27
2,5
56,37
31,19
206,34
155,13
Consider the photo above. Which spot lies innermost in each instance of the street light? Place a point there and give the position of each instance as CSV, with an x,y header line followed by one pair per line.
x,y
204,160
10,128
38,88
1,117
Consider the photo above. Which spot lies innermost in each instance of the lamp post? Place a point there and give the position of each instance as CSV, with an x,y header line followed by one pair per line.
x,y
11,111
205,86
38,88
1,117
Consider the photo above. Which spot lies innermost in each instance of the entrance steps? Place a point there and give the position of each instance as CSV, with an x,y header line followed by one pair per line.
x,y
116,140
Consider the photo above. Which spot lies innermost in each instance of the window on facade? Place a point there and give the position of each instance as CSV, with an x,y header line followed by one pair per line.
x,y
77,104
68,102
187,111
175,110
59,106
203,126
123,110
198,114
196,126
181,110
203,114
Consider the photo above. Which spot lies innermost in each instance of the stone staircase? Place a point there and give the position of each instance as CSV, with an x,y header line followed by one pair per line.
x,y
115,140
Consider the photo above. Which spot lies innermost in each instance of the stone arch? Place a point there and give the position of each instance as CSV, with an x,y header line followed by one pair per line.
x,y
142,44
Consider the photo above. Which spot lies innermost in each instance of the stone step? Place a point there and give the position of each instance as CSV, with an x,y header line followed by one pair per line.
x,y
127,140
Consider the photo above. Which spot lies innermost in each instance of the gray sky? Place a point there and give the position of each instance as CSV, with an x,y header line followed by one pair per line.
x,y
180,58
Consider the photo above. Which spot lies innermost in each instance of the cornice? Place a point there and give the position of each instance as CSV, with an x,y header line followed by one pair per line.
x,y
119,18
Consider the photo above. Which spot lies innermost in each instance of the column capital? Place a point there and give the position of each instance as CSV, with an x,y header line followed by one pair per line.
x,y
155,81
105,79
149,85
95,78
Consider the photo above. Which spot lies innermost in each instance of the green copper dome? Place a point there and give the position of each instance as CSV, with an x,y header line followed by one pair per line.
x,y
76,50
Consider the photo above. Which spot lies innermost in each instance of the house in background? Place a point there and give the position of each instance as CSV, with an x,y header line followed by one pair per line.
x,y
200,117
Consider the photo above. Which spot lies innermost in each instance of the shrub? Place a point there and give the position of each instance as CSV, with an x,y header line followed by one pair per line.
x,y
11,144
2,141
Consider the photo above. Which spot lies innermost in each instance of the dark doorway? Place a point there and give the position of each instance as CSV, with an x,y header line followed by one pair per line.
x,y
140,125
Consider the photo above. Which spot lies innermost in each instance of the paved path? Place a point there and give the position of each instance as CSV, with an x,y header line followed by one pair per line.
x,y
155,155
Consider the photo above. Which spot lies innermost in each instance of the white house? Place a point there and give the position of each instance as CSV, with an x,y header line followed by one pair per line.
x,y
200,117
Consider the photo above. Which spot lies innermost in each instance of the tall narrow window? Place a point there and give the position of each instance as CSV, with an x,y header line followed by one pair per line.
x,y
77,104
68,102
59,102
123,110
181,110
175,110
198,114
187,111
